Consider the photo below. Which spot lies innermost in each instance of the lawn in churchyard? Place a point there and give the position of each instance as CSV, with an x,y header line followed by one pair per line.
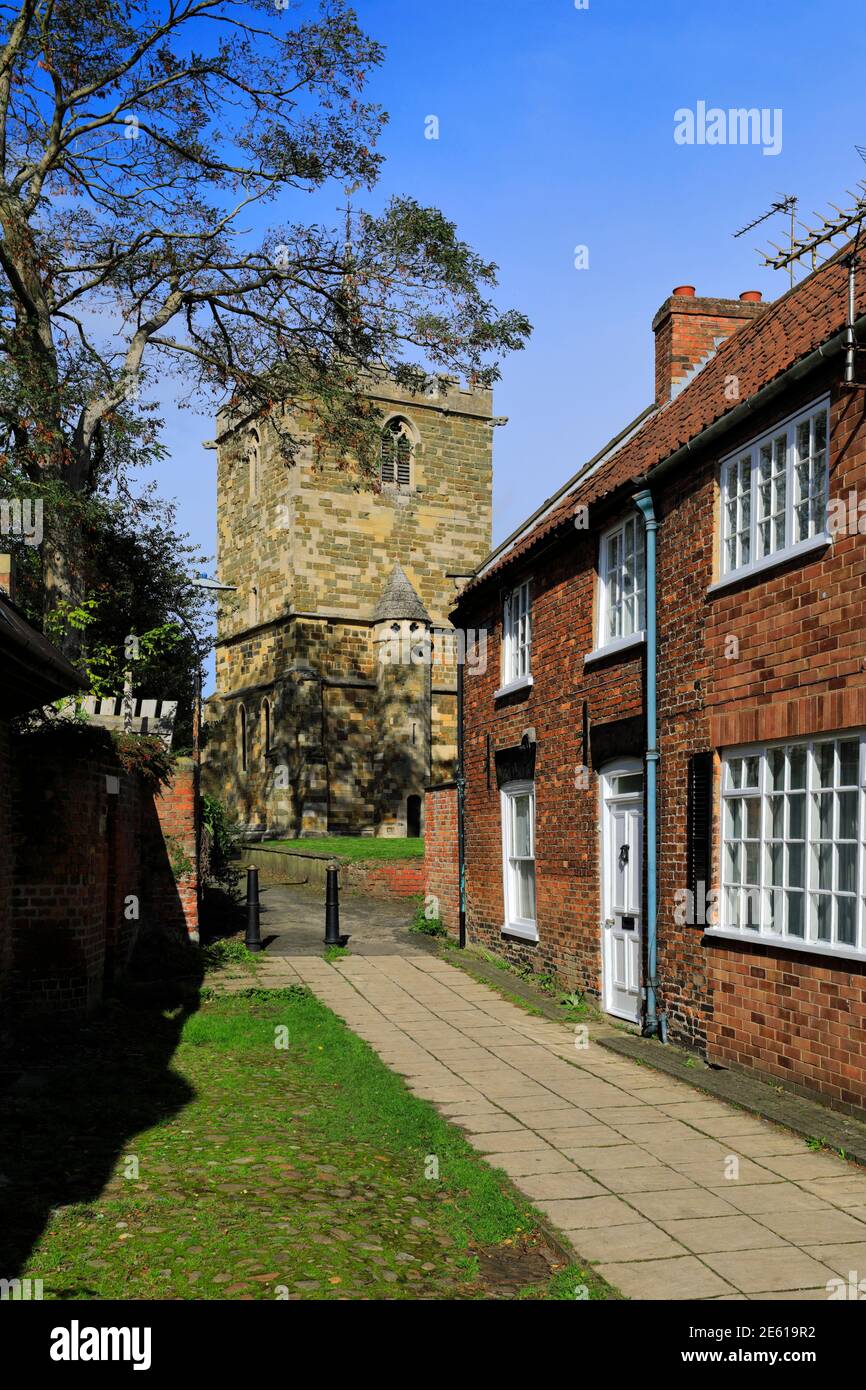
x,y
355,849
250,1146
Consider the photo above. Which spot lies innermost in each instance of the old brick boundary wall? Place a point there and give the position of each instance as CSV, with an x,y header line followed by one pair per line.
x,y
93,860
173,898
441,866
394,878
5,870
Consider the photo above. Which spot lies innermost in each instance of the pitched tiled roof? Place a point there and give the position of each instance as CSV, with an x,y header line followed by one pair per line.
x,y
757,353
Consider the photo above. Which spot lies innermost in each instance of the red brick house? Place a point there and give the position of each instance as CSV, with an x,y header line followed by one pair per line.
x,y
747,471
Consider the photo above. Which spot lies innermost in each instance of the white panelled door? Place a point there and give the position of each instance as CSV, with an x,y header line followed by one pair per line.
x,y
622,881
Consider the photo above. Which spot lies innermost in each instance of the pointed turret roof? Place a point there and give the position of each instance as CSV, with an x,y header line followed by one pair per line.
x,y
399,600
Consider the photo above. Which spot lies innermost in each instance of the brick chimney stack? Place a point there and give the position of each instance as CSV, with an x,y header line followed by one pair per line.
x,y
7,576
688,329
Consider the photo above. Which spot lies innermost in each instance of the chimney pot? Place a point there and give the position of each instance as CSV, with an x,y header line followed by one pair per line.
x,y
751,296
685,291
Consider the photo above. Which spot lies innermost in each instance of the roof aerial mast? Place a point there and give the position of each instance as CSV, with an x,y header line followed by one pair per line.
x,y
786,202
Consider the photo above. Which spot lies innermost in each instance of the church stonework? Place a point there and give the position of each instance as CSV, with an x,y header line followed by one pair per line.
x,y
335,701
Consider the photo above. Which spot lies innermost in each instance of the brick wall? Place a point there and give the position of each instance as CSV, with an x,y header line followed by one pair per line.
x,y
395,878
71,840
567,799
441,865
169,854
798,1020
90,868
800,669
5,869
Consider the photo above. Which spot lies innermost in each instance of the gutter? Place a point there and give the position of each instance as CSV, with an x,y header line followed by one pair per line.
x,y
461,799
652,1023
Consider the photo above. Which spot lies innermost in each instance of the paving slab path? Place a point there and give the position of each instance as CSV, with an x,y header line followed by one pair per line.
x,y
669,1194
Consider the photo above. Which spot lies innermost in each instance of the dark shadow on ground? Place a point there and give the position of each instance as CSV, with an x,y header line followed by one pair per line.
x,y
76,1097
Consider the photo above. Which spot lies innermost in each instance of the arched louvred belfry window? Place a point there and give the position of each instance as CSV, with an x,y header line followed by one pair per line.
x,y
396,454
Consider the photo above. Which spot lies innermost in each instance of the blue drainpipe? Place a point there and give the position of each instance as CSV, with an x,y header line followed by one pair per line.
x,y
643,500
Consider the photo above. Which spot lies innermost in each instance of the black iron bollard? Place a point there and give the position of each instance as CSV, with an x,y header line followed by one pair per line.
x,y
253,938
332,910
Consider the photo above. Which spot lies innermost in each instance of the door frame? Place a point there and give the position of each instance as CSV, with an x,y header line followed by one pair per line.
x,y
611,769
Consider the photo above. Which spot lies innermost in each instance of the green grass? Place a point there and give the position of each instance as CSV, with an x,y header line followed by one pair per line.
x,y
277,1157
228,951
354,849
572,1005
422,925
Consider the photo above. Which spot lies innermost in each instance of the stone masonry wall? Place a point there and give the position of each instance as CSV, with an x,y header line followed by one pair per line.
x,y
318,543
318,538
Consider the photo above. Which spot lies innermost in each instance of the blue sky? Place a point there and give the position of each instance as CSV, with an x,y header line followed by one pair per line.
x,y
556,129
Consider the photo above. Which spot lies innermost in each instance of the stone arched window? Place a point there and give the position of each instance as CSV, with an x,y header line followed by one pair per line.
x,y
253,606
242,737
253,463
396,456
266,726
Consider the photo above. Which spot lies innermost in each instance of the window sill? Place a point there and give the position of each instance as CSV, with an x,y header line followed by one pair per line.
x,y
524,931
523,683
770,562
619,644
785,943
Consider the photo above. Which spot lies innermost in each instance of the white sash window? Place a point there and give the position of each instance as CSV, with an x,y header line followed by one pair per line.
x,y
774,494
792,844
518,859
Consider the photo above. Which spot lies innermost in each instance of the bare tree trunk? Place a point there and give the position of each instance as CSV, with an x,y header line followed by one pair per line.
x,y
62,578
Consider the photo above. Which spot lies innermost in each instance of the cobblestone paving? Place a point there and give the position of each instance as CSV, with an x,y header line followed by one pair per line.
x,y
669,1194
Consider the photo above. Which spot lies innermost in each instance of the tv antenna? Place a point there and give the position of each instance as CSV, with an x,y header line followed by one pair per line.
x,y
818,241
786,203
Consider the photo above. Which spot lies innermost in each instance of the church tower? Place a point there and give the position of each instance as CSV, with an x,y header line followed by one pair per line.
x,y
336,697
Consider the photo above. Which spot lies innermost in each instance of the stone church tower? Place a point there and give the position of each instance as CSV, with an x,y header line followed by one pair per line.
x,y
336,684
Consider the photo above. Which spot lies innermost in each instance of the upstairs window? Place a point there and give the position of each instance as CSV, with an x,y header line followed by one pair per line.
x,y
396,454
774,493
517,635
622,575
